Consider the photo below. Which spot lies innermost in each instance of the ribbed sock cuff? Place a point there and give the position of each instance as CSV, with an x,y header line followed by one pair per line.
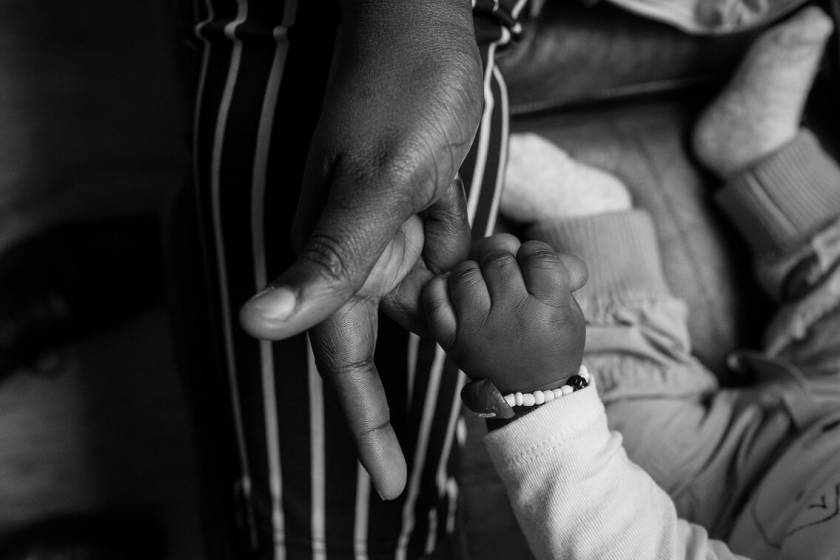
x,y
785,198
619,248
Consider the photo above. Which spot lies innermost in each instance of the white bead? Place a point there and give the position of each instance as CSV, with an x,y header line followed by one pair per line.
x,y
558,393
567,390
510,399
584,372
549,395
528,399
519,399
539,397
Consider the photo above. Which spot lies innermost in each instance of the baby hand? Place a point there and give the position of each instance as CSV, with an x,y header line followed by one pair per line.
x,y
509,315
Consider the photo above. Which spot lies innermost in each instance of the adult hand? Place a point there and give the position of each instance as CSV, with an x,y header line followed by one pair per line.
x,y
380,212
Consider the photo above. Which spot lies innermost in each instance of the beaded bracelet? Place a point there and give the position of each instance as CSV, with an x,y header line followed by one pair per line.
x,y
536,398
482,397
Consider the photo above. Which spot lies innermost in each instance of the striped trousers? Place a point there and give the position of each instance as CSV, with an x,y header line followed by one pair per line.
x,y
268,430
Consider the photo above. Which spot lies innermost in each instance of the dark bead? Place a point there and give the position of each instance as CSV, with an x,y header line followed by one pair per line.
x,y
576,382
482,397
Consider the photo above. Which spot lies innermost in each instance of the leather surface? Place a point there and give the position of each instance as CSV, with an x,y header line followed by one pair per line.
x,y
572,54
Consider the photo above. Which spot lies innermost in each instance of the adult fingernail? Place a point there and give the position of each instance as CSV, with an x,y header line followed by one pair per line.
x,y
381,497
275,304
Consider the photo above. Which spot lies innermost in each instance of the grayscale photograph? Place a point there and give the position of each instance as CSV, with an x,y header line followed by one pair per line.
x,y
420,280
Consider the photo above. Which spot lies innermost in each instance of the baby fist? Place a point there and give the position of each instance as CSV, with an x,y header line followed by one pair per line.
x,y
509,314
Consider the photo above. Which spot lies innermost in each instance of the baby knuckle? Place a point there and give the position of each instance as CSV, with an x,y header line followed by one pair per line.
x,y
561,274
465,272
544,258
498,259
520,307
532,245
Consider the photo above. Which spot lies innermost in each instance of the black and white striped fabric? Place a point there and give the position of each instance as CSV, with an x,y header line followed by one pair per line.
x,y
303,493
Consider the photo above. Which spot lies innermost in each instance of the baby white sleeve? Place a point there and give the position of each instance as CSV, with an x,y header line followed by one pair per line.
x,y
577,495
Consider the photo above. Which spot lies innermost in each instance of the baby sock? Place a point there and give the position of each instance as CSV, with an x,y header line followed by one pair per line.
x,y
543,183
759,111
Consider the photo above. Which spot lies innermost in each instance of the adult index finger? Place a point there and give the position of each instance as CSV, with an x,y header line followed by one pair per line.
x,y
344,347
